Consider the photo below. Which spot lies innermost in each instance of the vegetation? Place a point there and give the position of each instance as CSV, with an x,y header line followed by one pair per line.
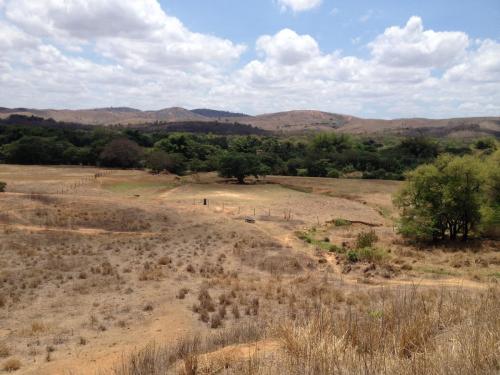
x,y
31,140
3,185
241,165
122,153
451,197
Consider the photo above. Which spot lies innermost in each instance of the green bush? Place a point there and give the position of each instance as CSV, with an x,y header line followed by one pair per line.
x,y
333,173
3,185
366,239
336,249
341,222
352,256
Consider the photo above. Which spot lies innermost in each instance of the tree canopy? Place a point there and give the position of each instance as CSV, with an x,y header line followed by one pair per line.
x,y
240,165
450,198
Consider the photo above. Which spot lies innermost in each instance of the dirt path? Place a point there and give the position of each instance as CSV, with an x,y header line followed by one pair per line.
x,y
83,231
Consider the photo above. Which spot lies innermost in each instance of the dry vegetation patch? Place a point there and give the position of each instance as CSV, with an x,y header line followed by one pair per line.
x,y
102,271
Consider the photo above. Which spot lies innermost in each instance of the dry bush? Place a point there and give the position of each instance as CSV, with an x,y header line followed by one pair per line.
x,y
11,365
216,321
366,239
181,294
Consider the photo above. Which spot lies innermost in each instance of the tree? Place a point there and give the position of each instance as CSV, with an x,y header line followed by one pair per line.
x,y
159,160
241,165
35,150
121,153
443,199
490,223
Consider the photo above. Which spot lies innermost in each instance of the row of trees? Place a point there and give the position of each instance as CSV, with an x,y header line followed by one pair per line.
x,y
452,197
322,155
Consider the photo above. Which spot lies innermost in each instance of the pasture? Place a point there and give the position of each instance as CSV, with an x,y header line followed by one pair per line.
x,y
97,264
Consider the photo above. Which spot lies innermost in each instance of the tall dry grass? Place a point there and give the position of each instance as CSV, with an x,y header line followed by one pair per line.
x,y
405,331
182,356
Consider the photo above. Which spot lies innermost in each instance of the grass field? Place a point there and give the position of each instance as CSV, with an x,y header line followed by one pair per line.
x,y
97,265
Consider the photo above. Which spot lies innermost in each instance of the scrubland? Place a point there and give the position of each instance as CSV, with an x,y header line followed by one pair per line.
x,y
130,273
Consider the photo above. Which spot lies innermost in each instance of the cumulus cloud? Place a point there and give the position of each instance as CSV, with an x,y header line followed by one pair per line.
x,y
135,32
287,47
67,53
299,5
481,65
414,46
398,79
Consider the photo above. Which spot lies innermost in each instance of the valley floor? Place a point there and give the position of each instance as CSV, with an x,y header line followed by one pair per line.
x,y
97,264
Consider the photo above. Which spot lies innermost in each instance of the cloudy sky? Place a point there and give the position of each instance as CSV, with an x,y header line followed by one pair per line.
x,y
384,58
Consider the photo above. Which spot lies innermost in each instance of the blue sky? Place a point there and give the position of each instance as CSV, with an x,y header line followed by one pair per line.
x,y
335,23
383,58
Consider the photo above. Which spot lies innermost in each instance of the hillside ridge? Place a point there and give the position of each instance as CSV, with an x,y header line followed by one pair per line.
x,y
294,121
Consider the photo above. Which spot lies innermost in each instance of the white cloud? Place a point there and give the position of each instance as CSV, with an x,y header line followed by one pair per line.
x,y
414,46
299,5
481,65
397,80
137,33
148,59
287,47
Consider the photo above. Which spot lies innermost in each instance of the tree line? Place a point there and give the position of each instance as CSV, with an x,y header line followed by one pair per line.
x,y
319,155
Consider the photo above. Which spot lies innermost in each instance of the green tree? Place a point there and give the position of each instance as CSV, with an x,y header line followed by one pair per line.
x,y
121,153
240,165
443,199
157,161
490,223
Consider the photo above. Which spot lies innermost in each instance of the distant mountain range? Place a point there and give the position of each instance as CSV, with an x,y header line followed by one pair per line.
x,y
283,122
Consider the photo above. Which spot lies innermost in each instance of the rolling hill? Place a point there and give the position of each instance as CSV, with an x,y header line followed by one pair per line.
x,y
298,121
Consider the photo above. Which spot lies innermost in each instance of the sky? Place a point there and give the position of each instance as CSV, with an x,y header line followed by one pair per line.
x,y
367,58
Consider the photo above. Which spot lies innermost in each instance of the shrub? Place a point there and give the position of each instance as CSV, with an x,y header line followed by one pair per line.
x,y
216,321
11,365
352,256
371,254
335,249
3,185
333,173
366,239
341,222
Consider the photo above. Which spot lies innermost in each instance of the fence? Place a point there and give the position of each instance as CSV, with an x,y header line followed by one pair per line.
x,y
234,209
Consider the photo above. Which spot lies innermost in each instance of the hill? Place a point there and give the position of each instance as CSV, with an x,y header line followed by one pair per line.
x,y
217,114
290,122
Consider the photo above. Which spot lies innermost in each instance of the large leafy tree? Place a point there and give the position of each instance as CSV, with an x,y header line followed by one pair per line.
x,y
122,153
240,165
444,199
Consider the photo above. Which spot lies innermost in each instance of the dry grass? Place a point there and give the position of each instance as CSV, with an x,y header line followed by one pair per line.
x,y
81,272
182,355
407,332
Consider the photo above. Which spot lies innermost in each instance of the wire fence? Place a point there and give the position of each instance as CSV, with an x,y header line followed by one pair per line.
x,y
232,208
72,187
